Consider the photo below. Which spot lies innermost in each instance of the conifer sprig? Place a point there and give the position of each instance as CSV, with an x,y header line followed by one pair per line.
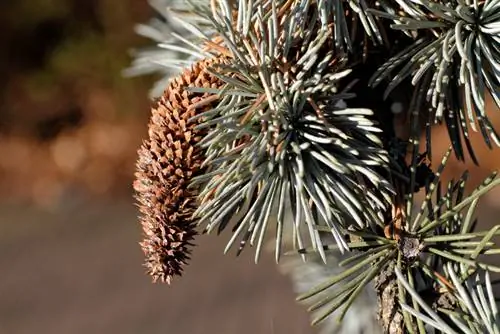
x,y
168,29
465,305
283,133
456,55
441,231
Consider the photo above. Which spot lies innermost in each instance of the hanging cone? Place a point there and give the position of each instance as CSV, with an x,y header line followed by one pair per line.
x,y
167,161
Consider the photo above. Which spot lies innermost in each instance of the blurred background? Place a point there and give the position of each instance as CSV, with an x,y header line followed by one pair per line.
x,y
70,125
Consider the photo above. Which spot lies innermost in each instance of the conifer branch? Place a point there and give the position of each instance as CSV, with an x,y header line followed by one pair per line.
x,y
279,126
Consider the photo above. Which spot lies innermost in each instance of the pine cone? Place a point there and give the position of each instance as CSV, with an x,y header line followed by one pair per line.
x,y
167,162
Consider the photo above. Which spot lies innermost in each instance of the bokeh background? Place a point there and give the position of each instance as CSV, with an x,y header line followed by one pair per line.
x,y
70,124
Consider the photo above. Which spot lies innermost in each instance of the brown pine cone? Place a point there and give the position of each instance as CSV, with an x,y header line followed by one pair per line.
x,y
167,161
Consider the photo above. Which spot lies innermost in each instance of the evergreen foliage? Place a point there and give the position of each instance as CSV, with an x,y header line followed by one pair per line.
x,y
299,114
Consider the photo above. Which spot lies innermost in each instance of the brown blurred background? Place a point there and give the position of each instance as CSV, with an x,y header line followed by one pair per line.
x,y
70,125
69,128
